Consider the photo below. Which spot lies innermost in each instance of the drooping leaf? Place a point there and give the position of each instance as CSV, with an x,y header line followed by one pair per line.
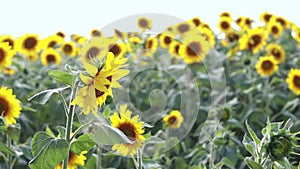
x,y
84,142
63,77
43,96
108,135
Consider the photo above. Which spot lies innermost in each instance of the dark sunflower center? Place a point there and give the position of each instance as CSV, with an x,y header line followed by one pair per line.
x,y
239,20
267,17
225,14
255,40
115,49
183,28
71,155
149,44
51,44
276,53
50,58
172,120
128,129
96,33
143,23
10,43
167,40
98,93
267,65
281,21
193,49
30,43
2,55
67,48
248,22
296,81
196,22
60,34
177,49
119,33
92,52
3,107
233,37
225,25
274,30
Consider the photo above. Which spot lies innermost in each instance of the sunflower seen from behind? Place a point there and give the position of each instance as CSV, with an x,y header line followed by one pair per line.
x,y
293,81
10,108
174,119
132,129
266,66
49,56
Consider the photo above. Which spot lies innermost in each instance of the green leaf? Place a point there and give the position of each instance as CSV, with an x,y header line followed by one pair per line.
x,y
62,131
91,162
48,151
108,135
43,96
84,142
49,131
252,134
249,145
107,111
252,164
14,131
63,77
6,150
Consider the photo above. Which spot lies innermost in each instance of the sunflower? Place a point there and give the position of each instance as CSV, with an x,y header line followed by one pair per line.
x,y
208,35
101,96
69,49
174,119
183,28
28,44
174,48
297,35
9,71
275,29
133,43
96,48
60,34
5,55
253,39
244,22
144,23
131,127
195,21
51,42
10,108
118,49
9,40
266,66
284,23
225,14
74,160
50,56
95,33
194,49
165,39
276,51
224,24
150,46
265,17
293,80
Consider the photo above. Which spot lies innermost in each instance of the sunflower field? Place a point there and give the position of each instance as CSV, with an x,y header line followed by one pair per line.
x,y
184,98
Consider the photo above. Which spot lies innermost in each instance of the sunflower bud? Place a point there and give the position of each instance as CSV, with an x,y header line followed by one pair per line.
x,y
280,146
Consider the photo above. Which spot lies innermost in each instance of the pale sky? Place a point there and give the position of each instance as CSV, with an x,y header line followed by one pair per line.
x,y
18,17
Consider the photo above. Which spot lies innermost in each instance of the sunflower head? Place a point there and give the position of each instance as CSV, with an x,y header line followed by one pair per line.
x,y
275,29
9,39
69,49
51,42
293,81
74,161
10,108
225,14
266,66
60,34
5,55
183,28
131,127
196,21
95,33
225,24
174,119
253,39
50,56
276,51
144,23
265,17
28,44
150,46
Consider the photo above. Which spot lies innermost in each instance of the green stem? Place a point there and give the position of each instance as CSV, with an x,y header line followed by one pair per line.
x,y
139,156
99,160
9,157
69,125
